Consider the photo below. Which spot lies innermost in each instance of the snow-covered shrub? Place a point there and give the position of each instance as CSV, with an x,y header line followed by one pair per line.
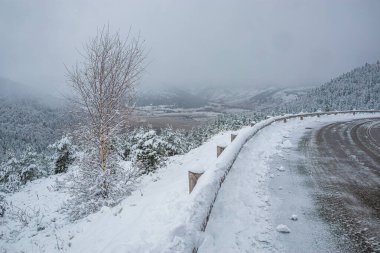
x,y
10,179
175,141
224,122
91,188
125,144
32,217
63,154
16,172
150,151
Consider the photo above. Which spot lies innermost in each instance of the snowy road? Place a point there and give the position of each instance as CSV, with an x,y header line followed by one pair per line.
x,y
344,161
325,171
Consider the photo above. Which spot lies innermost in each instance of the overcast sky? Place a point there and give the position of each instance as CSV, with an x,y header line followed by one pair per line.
x,y
193,43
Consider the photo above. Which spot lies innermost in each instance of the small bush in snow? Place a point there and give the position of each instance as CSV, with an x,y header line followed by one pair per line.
x,y
16,172
91,189
150,151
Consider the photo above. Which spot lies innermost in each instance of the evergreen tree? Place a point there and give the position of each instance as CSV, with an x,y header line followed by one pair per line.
x,y
63,154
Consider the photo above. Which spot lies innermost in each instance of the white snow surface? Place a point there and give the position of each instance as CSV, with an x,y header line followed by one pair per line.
x,y
147,221
161,216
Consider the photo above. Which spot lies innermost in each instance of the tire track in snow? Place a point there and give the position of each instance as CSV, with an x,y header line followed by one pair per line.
x,y
344,160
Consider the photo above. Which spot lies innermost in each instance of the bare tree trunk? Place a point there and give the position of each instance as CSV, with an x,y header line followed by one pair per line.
x,y
102,151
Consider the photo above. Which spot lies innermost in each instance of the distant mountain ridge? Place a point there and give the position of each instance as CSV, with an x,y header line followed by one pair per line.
x,y
357,89
174,97
253,98
9,88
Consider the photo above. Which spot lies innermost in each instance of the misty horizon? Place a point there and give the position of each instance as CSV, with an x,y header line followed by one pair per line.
x,y
195,44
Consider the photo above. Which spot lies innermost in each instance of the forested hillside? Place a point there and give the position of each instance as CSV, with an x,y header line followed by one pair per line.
x,y
25,122
357,89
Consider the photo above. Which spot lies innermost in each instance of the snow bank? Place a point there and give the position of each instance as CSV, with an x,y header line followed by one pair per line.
x,y
204,194
283,229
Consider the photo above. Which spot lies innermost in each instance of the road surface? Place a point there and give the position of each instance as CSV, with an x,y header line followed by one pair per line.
x,y
325,171
343,159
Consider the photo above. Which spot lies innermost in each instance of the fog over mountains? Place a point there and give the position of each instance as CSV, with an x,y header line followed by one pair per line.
x,y
243,98
31,119
27,118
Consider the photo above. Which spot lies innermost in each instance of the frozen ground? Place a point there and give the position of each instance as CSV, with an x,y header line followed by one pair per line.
x,y
342,159
266,204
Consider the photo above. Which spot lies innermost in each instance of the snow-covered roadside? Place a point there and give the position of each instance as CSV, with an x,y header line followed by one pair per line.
x,y
141,223
160,216
245,217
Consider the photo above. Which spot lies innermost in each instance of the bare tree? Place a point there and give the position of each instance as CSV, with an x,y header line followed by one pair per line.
x,y
103,83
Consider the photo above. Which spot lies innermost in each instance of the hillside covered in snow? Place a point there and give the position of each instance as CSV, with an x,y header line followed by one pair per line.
x,y
357,89
25,120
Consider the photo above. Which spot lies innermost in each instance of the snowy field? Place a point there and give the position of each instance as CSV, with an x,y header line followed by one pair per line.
x,y
151,219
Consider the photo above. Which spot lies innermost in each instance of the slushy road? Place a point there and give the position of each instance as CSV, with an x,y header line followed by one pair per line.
x,y
343,159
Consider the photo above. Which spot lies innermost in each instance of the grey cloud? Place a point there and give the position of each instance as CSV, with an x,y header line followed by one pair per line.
x,y
193,43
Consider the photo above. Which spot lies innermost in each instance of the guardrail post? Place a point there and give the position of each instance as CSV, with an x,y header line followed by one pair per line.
x,y
301,117
193,179
233,136
284,120
353,113
219,150
318,115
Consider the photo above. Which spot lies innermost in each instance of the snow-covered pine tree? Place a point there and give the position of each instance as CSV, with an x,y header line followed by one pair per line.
x,y
63,154
174,141
150,151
